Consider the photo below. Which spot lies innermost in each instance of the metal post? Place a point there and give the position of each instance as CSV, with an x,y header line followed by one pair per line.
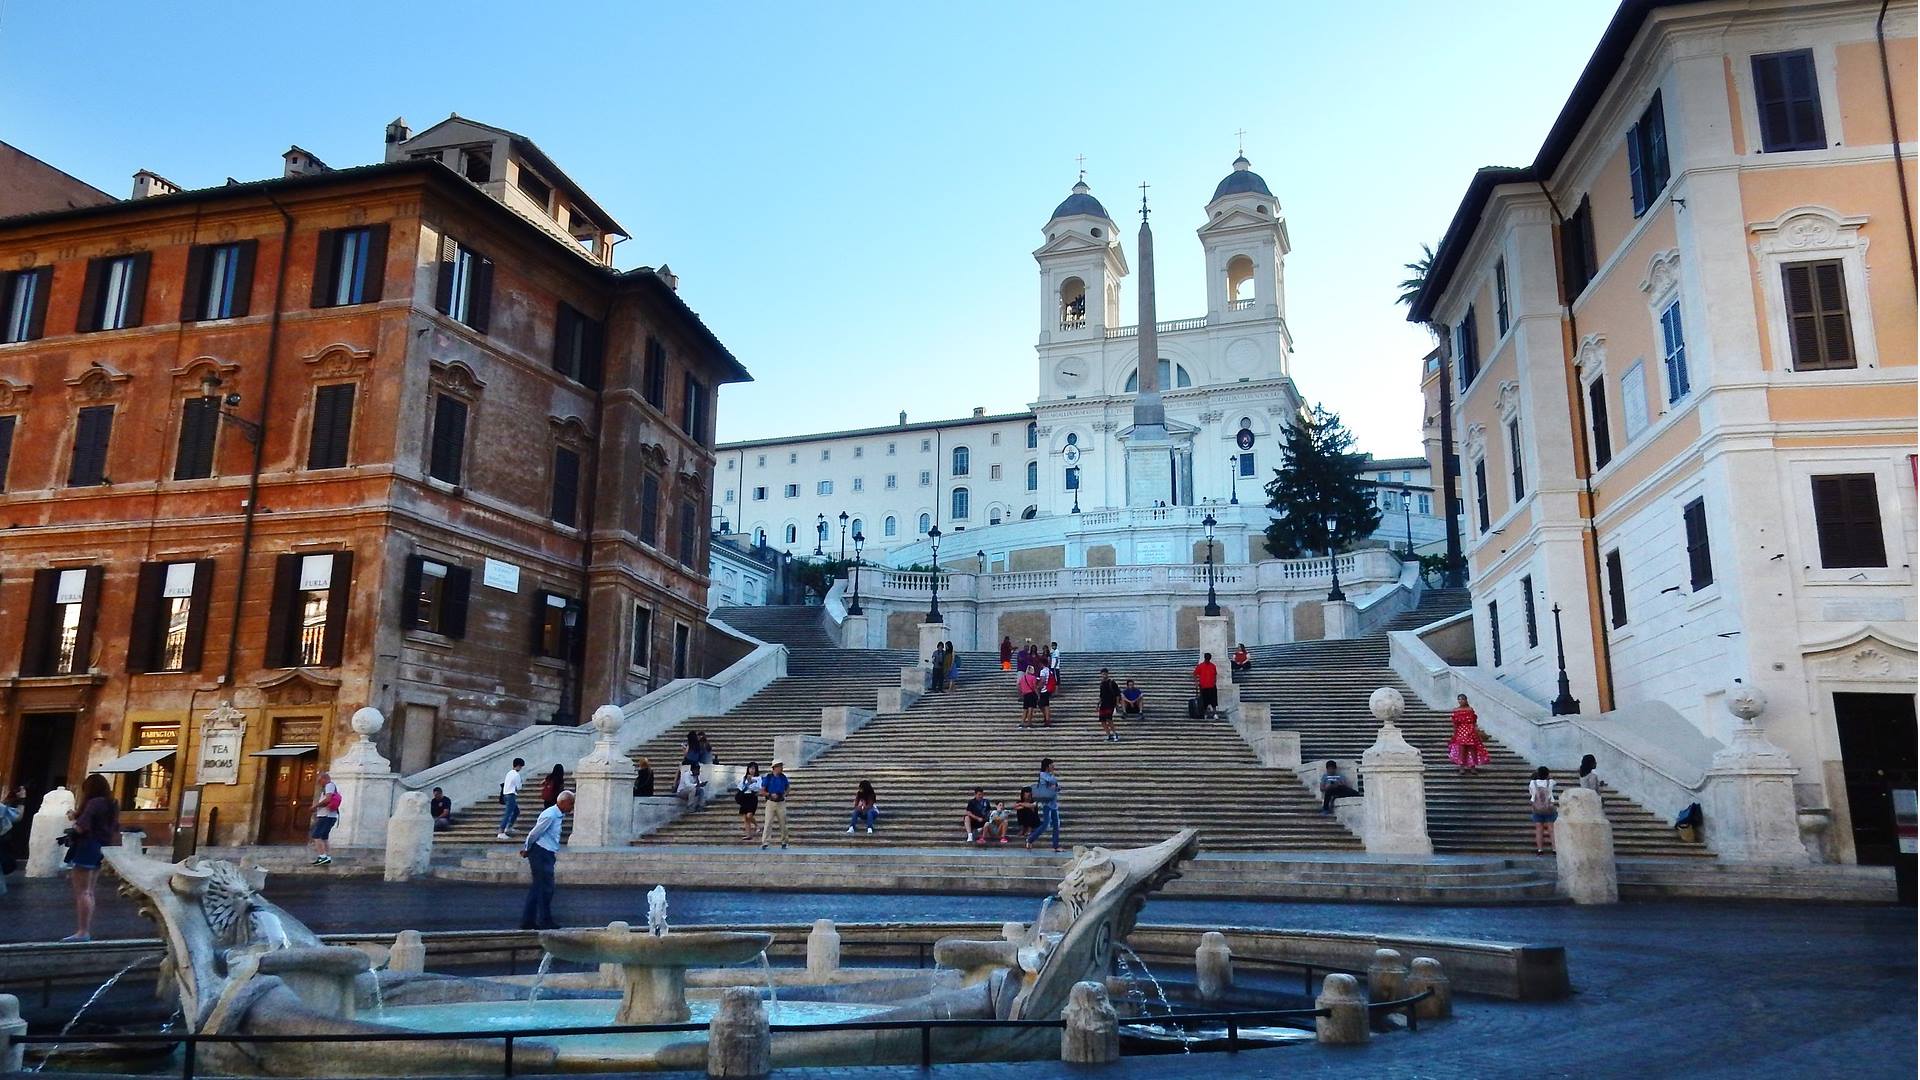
x,y
187,1049
1233,472
1406,503
1333,565
1213,600
858,540
933,608
1564,703
508,1064
926,1046
843,536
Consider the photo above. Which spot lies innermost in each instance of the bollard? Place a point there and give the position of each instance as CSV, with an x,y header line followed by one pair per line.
x,y
1386,976
1425,974
12,1054
738,1042
408,956
1213,966
1092,1032
1583,850
823,951
1346,1025
409,852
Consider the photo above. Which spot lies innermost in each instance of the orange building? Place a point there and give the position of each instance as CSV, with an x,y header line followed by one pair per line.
x,y
344,438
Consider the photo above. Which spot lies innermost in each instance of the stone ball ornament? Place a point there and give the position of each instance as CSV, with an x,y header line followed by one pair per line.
x,y
1746,702
607,720
367,721
1387,704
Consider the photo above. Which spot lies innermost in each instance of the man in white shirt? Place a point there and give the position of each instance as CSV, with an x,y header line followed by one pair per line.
x,y
510,798
541,849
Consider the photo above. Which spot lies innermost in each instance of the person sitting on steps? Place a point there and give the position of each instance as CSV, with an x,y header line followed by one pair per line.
x,y
1133,702
982,820
1241,662
1333,786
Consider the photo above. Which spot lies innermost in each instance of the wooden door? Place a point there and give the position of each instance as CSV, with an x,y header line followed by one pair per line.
x,y
289,798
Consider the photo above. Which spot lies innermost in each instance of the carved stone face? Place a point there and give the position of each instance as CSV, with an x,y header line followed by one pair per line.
x,y
1091,869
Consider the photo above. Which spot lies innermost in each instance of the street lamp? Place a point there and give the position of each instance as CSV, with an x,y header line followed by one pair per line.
x,y
843,536
1333,567
1213,600
982,556
1072,456
933,609
1233,471
1564,704
859,539
820,545
1406,503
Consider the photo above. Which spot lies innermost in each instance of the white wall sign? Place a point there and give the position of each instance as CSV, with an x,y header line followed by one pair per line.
x,y
504,576
179,580
1153,551
222,733
316,572
72,586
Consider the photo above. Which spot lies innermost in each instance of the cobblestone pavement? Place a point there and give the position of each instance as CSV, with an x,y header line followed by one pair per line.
x,y
1662,989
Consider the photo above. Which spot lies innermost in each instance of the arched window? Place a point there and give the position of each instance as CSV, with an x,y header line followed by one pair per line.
x,y
961,459
760,537
793,534
1073,304
1033,436
993,516
889,526
1240,282
1033,476
1029,513
1073,438
1172,377
1246,423
926,522
960,504
859,528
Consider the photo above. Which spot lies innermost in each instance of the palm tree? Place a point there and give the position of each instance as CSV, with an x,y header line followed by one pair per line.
x,y
1416,275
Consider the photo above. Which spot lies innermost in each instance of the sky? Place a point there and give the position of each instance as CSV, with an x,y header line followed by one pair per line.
x,y
851,193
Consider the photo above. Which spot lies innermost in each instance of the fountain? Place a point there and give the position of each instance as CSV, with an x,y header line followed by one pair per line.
x,y
653,963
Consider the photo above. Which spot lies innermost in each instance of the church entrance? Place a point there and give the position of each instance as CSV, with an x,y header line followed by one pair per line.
x,y
1877,756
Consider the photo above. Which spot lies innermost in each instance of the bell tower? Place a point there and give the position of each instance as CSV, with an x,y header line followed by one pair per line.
x,y
1081,267
1245,241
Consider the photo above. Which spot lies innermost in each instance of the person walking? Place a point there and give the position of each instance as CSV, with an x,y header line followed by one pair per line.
x,y
1589,777
510,798
96,824
1206,685
1029,688
552,784
866,808
938,665
1006,652
1468,747
774,787
1026,657
326,814
1333,786
1540,801
1054,660
541,849
1046,792
1049,682
746,796
1109,701
953,666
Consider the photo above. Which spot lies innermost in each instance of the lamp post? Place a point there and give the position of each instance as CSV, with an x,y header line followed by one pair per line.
x,y
820,527
933,609
1406,503
1213,600
859,540
1233,472
1564,704
843,536
1072,456
982,556
1333,564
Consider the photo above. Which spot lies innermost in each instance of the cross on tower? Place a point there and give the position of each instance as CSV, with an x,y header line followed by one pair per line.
x,y
1143,200
1242,136
1081,160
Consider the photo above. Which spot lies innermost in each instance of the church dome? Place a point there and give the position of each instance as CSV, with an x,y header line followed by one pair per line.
x,y
1242,181
1080,202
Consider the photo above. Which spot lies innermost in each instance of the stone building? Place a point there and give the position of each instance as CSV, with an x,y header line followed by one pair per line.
x,y
273,451
29,185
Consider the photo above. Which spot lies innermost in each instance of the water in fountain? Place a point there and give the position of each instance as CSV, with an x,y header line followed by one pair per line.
x,y
1040,922
268,927
379,995
1186,1041
773,995
540,976
88,1004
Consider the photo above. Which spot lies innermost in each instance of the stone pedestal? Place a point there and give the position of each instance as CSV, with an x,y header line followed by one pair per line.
x,y
1583,850
853,632
1149,464
1215,638
797,750
1386,975
603,788
1339,619
1346,1024
409,837
1423,975
1213,966
1751,814
839,721
738,1042
931,634
408,954
43,854
367,786
1396,793
1092,1034
11,1027
823,950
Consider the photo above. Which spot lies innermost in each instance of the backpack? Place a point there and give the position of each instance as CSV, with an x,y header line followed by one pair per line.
x,y
333,799
1542,793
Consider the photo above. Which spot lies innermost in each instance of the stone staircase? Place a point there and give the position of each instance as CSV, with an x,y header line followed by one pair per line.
x,y
797,626
478,824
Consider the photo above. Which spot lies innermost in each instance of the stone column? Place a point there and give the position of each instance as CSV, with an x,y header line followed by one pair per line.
x,y
823,951
1395,806
408,954
738,1042
43,855
931,634
1347,1025
409,837
1425,974
1751,815
1216,638
853,632
1386,975
1213,966
11,1027
603,788
367,786
1339,619
1583,850
1092,1034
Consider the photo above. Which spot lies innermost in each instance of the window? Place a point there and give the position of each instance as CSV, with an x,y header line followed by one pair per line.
x,y
1073,478
1033,436
433,597
693,409
151,786
1602,449
650,509
350,267
1647,156
1033,476
23,303
793,534
199,423
1246,465
578,346
889,526
682,649
926,478
1699,556
1616,589
926,522
1513,451
656,378
1170,376
449,444
6,447
993,472
1526,609
556,626
729,495
859,483
891,449
566,486
960,504
1846,513
826,455
60,618
994,439
1480,494
859,451
332,426
1426,504
823,487
1466,343
793,459
1633,400
464,290
1817,321
534,188
1577,254
689,533
792,491
892,481
114,294
962,458
219,281
640,652
926,446
859,527
1787,97
1502,313
92,434
761,461
307,622
760,494
1493,629
1674,346
993,516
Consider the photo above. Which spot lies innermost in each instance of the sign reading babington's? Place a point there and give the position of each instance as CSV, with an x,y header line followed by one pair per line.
x,y
222,731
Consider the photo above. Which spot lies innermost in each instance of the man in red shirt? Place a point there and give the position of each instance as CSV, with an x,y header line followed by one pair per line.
x,y
1206,680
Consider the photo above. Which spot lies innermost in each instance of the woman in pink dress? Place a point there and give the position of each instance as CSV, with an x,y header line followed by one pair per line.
x,y
1468,749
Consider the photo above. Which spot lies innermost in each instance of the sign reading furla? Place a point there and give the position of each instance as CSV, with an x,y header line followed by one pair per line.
x,y
222,732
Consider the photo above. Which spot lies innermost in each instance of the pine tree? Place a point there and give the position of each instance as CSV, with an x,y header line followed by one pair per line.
x,y
1323,501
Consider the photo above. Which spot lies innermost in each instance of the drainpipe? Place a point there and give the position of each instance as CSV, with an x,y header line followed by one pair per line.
x,y
1893,133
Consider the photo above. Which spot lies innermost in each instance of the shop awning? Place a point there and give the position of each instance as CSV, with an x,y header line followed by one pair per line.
x,y
135,761
287,750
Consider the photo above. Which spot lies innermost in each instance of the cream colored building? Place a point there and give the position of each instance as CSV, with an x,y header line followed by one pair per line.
x,y
1683,344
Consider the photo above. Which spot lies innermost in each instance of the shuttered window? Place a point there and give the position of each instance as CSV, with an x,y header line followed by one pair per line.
x,y
656,374
1647,172
1699,554
693,410
92,435
1787,94
566,486
1526,609
1493,630
1601,449
433,597
1673,339
23,303
464,290
650,509
1502,312
1480,493
199,424
1467,343
1519,468
219,282
689,533
307,621
113,297
332,426
350,266
449,438
7,424
62,608
552,636
640,656
170,616
1577,255
1846,513
1616,589
1818,326
577,346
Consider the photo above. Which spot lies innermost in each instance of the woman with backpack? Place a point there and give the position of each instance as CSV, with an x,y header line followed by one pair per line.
x,y
1468,747
554,783
1540,800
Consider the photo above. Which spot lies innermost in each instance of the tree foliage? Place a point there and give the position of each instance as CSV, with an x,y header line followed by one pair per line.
x,y
1320,493
1417,272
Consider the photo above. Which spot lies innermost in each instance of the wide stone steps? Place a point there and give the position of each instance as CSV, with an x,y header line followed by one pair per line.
x,y
790,625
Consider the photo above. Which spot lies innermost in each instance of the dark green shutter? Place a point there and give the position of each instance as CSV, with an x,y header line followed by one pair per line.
x,y
197,615
89,615
244,254
480,303
90,290
36,653
283,613
326,267
137,290
199,425
410,594
449,438
143,638
373,286
334,644
193,294
454,593
6,447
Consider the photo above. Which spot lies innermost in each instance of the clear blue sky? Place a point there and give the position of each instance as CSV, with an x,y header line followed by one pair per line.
x,y
851,193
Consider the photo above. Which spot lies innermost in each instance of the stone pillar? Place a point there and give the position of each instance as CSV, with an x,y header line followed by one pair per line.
x,y
1748,798
1395,806
931,634
610,973
1213,966
823,951
1583,850
1092,1034
43,855
1339,619
1215,638
408,954
409,837
1347,1024
603,788
738,1042
853,632
11,1027
1424,974
1386,975
367,786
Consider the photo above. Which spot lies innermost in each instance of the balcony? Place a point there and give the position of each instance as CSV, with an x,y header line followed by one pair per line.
x,y
1242,305
1159,327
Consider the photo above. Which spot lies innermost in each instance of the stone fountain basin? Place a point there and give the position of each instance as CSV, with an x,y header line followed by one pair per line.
x,y
685,949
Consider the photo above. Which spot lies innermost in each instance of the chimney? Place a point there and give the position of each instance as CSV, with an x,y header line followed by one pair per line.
x,y
979,410
666,274
903,418
398,131
302,163
147,184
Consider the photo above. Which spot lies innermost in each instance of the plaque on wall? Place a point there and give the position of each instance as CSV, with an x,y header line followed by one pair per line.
x,y
223,730
504,576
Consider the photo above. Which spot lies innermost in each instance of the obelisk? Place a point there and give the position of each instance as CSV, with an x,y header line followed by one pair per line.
x,y
1149,448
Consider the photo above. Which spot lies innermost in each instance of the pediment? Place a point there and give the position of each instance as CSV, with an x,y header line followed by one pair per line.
x,y
1069,242
1236,218
298,686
